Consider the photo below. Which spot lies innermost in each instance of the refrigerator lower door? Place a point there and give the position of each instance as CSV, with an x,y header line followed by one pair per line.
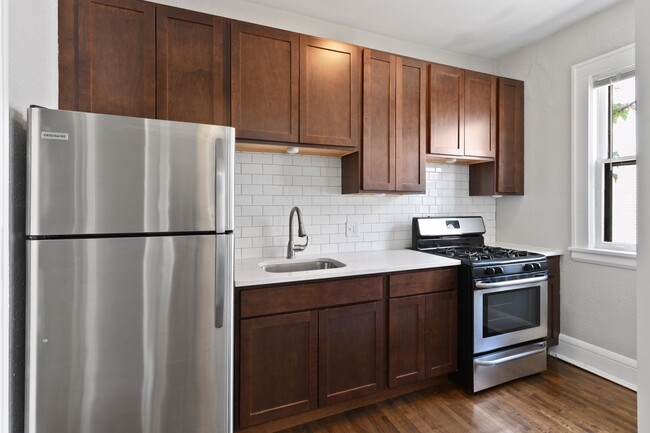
x,y
122,337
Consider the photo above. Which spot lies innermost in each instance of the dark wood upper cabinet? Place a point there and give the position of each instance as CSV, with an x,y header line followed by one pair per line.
x,y
191,66
446,110
114,69
480,114
505,176
135,58
510,147
463,113
265,77
411,125
378,141
392,154
330,74
351,352
278,366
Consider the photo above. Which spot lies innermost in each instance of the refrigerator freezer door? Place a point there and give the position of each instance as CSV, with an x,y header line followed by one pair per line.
x,y
122,337
101,174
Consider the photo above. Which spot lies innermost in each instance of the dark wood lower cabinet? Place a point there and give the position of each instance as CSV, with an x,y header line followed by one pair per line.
x,y
422,337
278,369
313,349
351,352
406,340
442,328
553,300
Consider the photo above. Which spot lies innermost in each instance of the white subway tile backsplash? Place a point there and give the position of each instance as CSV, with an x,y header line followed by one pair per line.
x,y
267,186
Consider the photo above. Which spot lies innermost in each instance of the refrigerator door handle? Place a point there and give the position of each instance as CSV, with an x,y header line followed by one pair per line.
x,y
225,184
224,279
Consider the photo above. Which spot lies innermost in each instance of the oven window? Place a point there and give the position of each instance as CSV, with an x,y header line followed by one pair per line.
x,y
510,311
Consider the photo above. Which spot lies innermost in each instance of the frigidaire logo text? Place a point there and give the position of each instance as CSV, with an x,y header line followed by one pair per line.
x,y
54,135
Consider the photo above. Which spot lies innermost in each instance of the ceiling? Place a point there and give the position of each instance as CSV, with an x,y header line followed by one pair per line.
x,y
481,28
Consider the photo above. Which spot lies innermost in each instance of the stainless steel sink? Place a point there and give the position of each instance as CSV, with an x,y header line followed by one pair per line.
x,y
298,265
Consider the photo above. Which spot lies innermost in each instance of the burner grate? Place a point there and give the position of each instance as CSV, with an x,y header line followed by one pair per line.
x,y
479,253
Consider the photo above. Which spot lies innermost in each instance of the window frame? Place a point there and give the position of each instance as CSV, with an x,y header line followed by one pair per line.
x,y
586,169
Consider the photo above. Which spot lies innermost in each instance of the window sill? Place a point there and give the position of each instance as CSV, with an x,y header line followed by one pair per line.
x,y
617,259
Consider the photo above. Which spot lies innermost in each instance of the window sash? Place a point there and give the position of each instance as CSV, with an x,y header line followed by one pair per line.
x,y
608,195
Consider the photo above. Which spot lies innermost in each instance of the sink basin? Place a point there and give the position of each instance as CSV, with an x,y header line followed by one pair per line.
x,y
298,265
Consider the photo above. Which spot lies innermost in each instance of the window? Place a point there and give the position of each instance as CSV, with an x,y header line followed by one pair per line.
x,y
615,123
603,119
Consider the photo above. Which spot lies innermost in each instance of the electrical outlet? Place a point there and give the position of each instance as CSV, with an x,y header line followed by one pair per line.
x,y
352,230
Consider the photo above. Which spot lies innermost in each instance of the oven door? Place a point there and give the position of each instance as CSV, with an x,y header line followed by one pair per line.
x,y
509,312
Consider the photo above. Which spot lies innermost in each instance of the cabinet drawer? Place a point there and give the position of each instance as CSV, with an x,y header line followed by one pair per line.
x,y
296,297
415,283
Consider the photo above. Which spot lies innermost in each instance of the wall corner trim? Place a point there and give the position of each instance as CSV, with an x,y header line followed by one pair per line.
x,y
602,362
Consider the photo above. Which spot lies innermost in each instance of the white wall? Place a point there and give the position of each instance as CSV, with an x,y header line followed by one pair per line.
x,y
267,186
598,303
643,258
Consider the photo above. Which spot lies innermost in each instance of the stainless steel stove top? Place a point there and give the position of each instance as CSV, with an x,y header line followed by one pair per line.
x,y
462,238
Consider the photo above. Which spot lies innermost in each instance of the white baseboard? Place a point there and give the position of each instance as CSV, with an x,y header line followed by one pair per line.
x,y
602,362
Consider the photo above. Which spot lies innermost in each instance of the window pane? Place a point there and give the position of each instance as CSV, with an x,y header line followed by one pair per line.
x,y
624,118
624,204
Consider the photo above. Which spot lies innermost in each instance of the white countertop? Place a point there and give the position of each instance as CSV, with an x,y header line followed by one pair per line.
x,y
533,249
249,273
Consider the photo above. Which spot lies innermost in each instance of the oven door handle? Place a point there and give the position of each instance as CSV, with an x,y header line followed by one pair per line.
x,y
480,285
542,348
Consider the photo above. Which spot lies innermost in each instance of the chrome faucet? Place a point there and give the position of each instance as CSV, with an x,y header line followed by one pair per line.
x,y
291,248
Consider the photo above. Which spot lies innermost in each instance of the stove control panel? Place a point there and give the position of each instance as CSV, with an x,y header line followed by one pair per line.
x,y
493,270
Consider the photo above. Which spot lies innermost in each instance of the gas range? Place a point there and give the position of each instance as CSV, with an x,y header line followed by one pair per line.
x,y
502,301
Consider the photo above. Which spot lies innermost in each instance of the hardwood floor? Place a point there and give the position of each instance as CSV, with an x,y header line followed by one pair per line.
x,y
563,399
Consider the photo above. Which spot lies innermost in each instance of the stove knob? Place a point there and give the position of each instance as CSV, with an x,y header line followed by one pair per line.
x,y
537,266
498,270
490,271
529,267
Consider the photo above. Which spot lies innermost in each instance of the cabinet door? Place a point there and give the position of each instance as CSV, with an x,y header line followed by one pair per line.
x,y
510,147
190,67
406,340
447,113
441,312
410,125
329,92
264,78
278,366
116,72
480,114
553,301
351,352
378,142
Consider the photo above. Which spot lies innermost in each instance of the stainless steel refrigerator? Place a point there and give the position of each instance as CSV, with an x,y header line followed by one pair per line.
x,y
130,275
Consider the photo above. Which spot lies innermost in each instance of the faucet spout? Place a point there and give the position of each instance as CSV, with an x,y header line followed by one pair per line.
x,y
302,233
